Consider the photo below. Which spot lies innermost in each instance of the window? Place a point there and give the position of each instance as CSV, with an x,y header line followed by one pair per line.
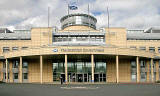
x,y
25,75
14,48
142,63
15,64
133,47
5,75
159,49
25,64
142,48
24,48
5,49
143,75
133,64
15,75
4,64
159,64
152,49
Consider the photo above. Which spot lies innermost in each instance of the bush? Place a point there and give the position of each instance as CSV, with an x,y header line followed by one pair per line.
x,y
2,82
158,81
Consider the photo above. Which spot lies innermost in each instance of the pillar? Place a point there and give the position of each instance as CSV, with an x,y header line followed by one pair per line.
x,y
20,71
138,69
152,74
157,70
148,71
6,70
92,63
117,69
41,69
66,69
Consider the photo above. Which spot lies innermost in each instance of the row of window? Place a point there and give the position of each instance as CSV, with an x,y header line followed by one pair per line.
x,y
75,39
16,64
143,72
16,75
6,49
151,49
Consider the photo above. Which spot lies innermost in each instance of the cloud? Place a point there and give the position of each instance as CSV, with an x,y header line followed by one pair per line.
x,y
123,13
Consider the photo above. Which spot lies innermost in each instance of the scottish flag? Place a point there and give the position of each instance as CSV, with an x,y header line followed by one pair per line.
x,y
72,7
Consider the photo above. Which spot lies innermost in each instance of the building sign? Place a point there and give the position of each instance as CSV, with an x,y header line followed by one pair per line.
x,y
81,50
55,50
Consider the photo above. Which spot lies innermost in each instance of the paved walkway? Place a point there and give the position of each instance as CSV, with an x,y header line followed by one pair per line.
x,y
80,90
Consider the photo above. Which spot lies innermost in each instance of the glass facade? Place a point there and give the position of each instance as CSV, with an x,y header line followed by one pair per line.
x,y
79,38
143,70
78,19
100,71
58,70
133,71
79,71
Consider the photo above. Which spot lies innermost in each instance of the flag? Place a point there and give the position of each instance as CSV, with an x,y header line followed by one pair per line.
x,y
72,7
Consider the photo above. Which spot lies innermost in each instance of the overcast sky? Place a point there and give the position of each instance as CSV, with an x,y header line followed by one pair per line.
x,y
139,14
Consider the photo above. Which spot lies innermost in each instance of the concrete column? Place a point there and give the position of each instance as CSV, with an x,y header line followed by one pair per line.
x,y
148,70
138,69
41,68
152,74
66,69
20,70
6,70
92,62
117,68
157,70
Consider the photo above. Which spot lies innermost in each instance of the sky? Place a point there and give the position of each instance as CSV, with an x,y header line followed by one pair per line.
x,y
131,14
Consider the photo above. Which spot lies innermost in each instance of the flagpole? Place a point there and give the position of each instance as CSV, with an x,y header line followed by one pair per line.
x,y
68,9
68,24
108,24
48,16
89,24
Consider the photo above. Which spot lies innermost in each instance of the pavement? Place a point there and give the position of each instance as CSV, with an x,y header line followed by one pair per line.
x,y
79,90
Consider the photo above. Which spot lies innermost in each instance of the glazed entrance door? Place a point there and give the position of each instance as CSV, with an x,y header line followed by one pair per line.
x,y
85,77
71,77
100,77
79,78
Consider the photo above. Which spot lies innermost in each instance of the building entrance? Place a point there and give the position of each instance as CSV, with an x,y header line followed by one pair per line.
x,y
79,69
79,77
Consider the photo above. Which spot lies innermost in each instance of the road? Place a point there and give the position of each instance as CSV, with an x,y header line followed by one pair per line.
x,y
80,90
